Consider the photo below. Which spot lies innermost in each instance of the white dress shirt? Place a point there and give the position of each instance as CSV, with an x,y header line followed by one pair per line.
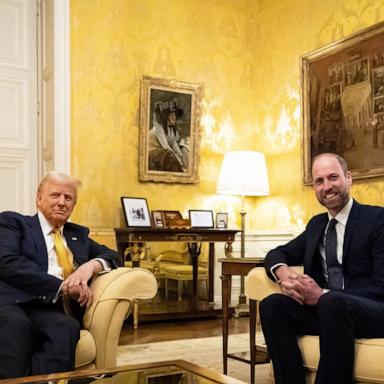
x,y
342,218
54,267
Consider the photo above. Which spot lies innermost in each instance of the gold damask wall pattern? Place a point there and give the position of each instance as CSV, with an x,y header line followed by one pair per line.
x,y
245,52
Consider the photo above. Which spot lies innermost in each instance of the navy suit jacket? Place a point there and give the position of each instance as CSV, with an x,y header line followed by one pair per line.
x,y
24,257
363,251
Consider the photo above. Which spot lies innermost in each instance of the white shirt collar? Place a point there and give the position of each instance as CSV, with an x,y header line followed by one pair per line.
x,y
46,227
342,216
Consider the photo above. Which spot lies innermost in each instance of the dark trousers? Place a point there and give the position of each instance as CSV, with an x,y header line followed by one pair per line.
x,y
338,319
36,339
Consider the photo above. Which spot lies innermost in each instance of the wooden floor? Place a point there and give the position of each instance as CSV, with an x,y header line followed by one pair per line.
x,y
181,329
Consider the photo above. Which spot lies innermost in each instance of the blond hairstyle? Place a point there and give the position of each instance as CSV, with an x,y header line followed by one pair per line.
x,y
54,177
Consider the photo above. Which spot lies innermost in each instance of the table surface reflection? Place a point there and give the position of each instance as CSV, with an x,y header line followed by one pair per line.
x,y
169,372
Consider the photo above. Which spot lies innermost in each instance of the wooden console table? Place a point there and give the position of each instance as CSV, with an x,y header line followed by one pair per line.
x,y
126,237
238,267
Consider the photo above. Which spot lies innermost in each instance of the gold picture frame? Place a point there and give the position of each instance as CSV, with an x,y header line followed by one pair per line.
x,y
169,131
343,103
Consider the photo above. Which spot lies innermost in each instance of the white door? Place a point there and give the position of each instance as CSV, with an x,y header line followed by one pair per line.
x,y
18,105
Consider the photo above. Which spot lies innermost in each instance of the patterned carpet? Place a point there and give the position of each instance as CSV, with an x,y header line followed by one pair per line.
x,y
206,352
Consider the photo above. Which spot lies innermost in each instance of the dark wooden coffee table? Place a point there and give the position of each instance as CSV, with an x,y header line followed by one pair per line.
x,y
166,372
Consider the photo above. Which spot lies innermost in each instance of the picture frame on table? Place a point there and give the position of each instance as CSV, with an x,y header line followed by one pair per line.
x,y
343,103
221,220
172,218
201,218
158,219
169,137
136,212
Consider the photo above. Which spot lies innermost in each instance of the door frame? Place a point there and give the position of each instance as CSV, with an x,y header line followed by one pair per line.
x,y
62,99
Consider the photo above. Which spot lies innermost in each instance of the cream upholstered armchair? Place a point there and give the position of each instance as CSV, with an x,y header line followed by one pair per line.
x,y
369,353
114,296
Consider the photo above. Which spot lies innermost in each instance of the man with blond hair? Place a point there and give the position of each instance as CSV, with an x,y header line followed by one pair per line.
x,y
45,261
340,296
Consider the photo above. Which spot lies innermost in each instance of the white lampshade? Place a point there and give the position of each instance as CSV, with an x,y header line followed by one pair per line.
x,y
243,173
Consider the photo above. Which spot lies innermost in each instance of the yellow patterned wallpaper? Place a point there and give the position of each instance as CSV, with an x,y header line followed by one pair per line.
x,y
245,53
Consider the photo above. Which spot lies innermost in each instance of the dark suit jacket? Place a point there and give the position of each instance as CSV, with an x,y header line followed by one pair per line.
x,y
363,251
24,258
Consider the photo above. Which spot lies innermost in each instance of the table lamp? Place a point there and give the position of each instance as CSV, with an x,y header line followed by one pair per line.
x,y
243,173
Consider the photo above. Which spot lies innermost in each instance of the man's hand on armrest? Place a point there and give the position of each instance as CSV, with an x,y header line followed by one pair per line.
x,y
76,284
299,287
290,283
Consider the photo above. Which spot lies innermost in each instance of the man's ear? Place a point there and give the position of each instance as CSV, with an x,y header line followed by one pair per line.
x,y
349,177
38,198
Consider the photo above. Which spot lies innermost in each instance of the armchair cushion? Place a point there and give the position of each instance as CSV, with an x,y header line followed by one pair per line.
x,y
85,350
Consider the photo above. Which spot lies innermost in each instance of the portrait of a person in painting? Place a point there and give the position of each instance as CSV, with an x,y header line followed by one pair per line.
x,y
168,151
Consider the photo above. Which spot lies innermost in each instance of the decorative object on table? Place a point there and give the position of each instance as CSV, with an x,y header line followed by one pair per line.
x,y
221,220
243,173
201,218
158,219
169,131
173,219
343,103
136,212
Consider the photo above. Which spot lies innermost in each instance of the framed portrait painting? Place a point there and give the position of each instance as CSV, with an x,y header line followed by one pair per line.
x,y
169,131
343,103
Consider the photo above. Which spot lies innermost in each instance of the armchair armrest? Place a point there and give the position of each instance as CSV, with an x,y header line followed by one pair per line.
x,y
258,285
113,296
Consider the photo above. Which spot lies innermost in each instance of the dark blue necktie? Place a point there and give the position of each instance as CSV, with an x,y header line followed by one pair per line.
x,y
335,274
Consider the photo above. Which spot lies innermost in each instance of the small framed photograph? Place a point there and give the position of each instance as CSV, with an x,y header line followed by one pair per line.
x,y
171,218
136,211
201,218
222,220
158,219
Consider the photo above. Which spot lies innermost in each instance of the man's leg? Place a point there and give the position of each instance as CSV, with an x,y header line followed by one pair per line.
x,y
282,320
342,318
58,335
16,342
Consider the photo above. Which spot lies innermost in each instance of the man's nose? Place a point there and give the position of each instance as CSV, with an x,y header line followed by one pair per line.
x,y
61,200
327,185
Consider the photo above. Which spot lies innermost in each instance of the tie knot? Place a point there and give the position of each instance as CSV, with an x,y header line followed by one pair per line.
x,y
56,231
332,224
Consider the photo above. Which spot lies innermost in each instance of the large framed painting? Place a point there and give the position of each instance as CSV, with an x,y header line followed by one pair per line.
x,y
343,103
169,131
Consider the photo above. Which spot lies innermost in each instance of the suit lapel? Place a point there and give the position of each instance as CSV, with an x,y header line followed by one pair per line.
x,y
38,237
315,236
350,227
73,239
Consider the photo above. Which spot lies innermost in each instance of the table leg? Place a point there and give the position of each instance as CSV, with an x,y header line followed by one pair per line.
x,y
135,315
252,336
211,270
225,284
194,250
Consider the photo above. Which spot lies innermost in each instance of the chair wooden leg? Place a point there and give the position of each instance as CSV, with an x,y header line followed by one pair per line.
x,y
179,289
166,288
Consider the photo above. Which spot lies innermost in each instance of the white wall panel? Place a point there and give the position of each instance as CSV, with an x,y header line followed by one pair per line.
x,y
15,184
14,109
13,25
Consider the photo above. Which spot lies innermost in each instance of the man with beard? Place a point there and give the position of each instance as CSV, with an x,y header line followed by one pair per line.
x,y
340,296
